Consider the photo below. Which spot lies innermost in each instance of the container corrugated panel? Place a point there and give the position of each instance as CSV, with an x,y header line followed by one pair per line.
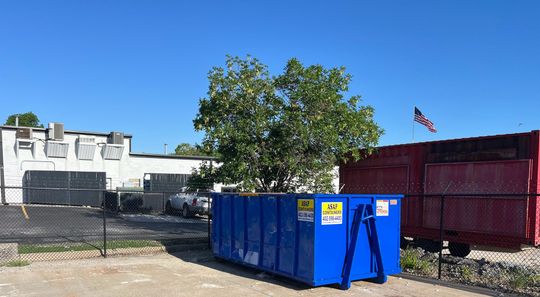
x,y
493,164
502,216
316,239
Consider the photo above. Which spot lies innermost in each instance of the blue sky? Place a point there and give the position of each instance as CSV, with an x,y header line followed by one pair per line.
x,y
472,67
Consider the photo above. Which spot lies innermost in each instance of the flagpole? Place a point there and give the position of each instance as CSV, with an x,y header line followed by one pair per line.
x,y
413,127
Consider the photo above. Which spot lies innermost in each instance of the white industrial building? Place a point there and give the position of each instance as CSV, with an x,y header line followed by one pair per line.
x,y
57,149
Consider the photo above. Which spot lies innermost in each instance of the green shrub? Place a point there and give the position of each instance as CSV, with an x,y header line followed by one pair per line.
x,y
411,259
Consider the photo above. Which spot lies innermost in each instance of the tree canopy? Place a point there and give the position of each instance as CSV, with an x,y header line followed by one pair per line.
x,y
27,119
282,133
187,149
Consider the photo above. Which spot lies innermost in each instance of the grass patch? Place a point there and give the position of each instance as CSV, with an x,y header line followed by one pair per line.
x,y
411,260
519,280
16,263
76,247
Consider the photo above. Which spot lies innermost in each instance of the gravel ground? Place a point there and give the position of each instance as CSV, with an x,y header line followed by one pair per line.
x,y
494,272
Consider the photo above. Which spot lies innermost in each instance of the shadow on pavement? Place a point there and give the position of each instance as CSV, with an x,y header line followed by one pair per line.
x,y
205,258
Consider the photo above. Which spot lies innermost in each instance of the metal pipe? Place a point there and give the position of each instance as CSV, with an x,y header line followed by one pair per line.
x,y
38,161
2,180
104,232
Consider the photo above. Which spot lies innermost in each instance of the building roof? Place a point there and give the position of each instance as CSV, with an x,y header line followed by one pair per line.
x,y
141,155
146,155
65,131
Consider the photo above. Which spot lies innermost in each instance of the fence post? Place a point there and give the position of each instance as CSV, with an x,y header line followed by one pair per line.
x,y
104,232
441,235
208,221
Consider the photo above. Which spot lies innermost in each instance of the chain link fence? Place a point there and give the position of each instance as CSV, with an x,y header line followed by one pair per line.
x,y
482,232
458,233
478,239
40,224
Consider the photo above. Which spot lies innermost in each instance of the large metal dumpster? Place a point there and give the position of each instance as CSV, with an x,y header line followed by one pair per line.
x,y
317,239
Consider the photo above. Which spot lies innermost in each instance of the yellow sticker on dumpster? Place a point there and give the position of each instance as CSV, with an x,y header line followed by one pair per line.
x,y
305,210
332,213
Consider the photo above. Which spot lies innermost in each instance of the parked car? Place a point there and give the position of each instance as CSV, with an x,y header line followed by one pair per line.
x,y
189,203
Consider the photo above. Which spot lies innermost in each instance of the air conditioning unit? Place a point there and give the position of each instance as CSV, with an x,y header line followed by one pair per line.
x,y
86,146
24,133
56,131
87,139
116,138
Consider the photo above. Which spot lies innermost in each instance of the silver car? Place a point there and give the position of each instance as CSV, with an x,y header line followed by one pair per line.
x,y
189,203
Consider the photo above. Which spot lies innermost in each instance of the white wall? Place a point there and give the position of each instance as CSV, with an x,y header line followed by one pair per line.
x,y
120,172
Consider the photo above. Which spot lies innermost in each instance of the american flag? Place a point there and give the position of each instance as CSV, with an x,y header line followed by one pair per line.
x,y
420,118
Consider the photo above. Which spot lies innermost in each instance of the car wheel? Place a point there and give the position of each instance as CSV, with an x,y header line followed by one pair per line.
x,y
168,208
186,213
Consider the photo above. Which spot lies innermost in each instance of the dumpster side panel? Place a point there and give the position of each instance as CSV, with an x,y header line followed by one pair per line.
x,y
269,217
305,246
287,236
225,226
330,239
253,225
387,231
239,230
364,262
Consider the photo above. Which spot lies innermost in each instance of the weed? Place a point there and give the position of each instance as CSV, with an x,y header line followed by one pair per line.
x,y
411,260
466,273
16,263
519,279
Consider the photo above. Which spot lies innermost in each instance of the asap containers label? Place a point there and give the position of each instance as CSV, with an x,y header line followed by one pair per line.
x,y
332,213
305,210
382,208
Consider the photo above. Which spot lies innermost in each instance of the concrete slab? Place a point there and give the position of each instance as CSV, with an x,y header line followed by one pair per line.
x,y
8,252
193,273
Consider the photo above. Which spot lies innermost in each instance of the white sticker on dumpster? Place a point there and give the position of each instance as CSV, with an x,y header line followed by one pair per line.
x,y
382,208
332,213
305,210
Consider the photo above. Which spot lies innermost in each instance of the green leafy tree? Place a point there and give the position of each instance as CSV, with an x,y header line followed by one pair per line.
x,y
282,133
28,119
201,178
187,149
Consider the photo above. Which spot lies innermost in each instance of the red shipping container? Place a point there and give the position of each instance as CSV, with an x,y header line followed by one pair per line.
x,y
462,169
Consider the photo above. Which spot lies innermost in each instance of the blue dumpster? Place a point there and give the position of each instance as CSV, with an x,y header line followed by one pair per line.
x,y
317,239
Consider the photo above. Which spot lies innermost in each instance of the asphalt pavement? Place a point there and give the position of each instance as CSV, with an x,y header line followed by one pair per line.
x,y
50,224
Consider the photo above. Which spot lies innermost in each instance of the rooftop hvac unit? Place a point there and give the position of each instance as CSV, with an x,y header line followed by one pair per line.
x,y
56,131
116,138
88,140
112,151
56,149
24,133
86,146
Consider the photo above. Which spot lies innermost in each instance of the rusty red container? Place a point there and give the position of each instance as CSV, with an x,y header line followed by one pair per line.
x,y
500,164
